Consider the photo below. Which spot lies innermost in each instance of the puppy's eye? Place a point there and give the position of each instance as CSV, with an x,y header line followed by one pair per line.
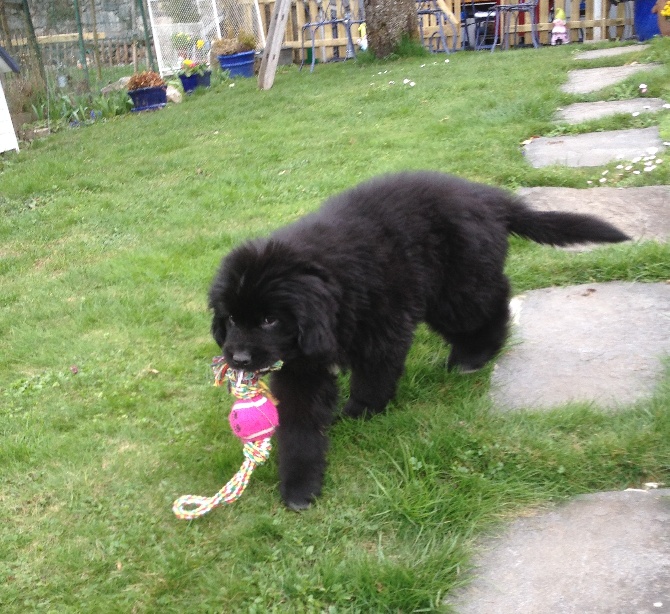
x,y
269,323
231,321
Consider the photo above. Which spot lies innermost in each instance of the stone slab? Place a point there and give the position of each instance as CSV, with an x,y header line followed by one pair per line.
x,y
589,80
605,553
584,111
595,54
595,343
593,148
642,213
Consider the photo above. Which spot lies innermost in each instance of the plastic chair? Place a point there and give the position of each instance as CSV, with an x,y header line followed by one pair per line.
x,y
477,21
347,20
504,15
436,11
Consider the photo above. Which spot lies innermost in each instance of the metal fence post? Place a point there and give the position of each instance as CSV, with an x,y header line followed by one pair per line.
x,y
147,38
82,49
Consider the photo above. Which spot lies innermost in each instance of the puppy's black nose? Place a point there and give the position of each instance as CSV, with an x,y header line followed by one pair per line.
x,y
241,358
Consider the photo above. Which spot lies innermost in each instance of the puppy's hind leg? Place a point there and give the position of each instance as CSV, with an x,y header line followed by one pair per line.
x,y
306,402
374,380
473,344
470,351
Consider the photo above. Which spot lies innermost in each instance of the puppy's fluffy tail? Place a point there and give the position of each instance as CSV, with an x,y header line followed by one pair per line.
x,y
557,228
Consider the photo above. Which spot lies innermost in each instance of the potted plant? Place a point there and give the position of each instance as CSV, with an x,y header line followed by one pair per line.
x,y
181,42
194,74
147,90
662,10
236,55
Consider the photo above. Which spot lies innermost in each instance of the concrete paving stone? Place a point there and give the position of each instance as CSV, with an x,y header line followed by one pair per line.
x,y
604,553
589,80
584,111
642,213
593,148
594,54
599,343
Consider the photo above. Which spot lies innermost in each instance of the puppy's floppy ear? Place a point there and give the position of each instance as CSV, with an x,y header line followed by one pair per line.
x,y
218,318
218,329
317,317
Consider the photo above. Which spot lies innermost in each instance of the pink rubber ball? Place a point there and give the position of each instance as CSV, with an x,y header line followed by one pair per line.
x,y
253,419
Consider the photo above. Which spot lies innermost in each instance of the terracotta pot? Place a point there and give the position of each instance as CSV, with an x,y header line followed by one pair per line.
x,y
663,23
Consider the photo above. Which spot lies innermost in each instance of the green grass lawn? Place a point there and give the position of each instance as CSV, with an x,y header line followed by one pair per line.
x,y
110,236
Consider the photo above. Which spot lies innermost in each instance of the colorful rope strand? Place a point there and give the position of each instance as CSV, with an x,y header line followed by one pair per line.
x,y
243,385
255,453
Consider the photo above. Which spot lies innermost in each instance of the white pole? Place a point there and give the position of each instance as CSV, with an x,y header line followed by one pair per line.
x,y
216,18
261,33
597,14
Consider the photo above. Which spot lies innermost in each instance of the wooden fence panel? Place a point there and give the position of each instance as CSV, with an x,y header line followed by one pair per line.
x,y
599,21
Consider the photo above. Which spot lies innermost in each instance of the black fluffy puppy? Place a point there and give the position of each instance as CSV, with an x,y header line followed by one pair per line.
x,y
346,286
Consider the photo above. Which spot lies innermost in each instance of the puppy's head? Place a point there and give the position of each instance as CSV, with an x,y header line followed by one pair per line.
x,y
269,303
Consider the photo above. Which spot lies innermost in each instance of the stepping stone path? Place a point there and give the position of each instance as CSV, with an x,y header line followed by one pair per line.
x,y
589,80
596,54
605,553
584,111
596,149
593,148
642,213
599,343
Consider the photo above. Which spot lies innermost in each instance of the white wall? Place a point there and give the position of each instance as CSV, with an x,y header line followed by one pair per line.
x,y
7,135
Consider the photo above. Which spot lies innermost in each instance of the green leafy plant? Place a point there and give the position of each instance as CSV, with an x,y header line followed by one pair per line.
x,y
190,68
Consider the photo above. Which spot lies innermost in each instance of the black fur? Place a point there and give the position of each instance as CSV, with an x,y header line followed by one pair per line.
x,y
348,285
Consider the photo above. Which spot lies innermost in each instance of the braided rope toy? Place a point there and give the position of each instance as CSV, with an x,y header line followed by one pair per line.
x,y
253,419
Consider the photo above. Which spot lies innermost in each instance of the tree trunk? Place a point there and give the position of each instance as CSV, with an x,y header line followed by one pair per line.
x,y
387,22
96,48
32,40
4,28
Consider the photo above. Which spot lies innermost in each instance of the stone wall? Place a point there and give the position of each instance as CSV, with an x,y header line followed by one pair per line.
x,y
115,18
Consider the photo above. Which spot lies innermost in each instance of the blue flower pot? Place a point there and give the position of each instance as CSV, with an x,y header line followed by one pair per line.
x,y
148,98
204,80
189,83
238,64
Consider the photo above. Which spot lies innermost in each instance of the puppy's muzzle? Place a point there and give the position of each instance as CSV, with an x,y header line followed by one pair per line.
x,y
241,359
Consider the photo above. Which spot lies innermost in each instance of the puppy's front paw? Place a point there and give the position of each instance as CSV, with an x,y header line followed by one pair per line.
x,y
298,501
299,505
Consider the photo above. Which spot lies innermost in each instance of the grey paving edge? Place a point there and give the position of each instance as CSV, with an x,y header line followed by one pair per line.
x,y
593,148
604,553
604,344
585,111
